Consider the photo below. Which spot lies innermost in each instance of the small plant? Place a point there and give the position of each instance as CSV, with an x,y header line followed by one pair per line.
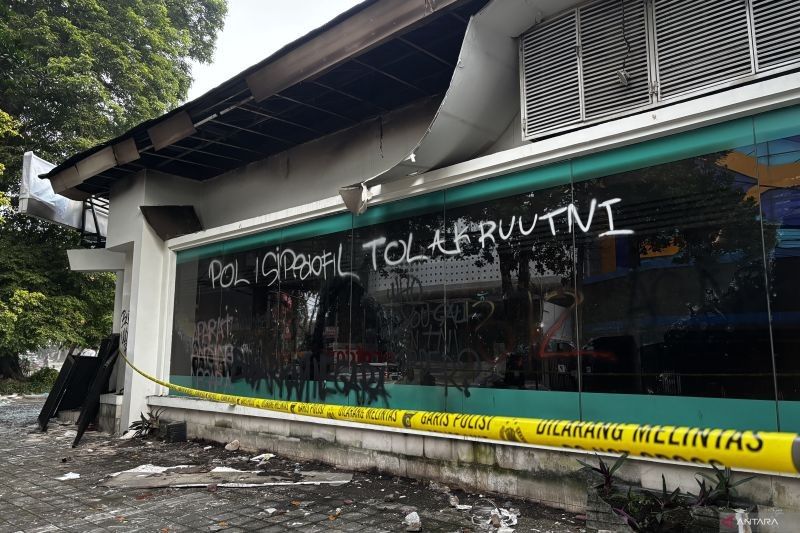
x,y
605,471
660,504
667,500
704,494
147,424
724,487
631,521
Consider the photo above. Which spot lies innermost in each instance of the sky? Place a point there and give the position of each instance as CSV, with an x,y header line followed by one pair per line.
x,y
254,29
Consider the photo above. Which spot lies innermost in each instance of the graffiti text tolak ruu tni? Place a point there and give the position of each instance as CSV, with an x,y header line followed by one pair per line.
x,y
284,263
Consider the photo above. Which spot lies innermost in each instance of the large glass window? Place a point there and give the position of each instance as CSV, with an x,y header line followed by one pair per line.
x,y
671,277
664,269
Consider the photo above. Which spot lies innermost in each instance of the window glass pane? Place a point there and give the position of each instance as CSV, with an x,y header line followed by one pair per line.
x,y
778,169
510,293
185,356
313,315
399,327
673,293
247,319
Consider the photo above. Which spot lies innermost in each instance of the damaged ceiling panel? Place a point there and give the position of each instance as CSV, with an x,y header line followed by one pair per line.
x,y
229,127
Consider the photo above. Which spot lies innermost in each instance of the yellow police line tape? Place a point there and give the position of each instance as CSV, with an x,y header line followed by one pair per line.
x,y
752,450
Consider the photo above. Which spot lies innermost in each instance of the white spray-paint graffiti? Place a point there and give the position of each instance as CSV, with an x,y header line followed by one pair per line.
x,y
278,265
212,347
283,264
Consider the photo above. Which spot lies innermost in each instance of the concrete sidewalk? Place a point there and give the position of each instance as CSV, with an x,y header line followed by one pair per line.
x,y
33,499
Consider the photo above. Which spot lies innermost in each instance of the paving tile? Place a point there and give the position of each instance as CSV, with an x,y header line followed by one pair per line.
x,y
33,500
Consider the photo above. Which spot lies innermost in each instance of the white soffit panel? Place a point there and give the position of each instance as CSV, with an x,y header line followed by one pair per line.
x,y
126,151
96,163
171,130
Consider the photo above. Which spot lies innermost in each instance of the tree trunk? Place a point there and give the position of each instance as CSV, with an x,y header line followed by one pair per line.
x,y
9,366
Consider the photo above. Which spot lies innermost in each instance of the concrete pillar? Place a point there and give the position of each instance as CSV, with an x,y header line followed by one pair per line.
x,y
145,321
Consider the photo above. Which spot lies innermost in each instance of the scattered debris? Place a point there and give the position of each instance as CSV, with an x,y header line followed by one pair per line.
x,y
263,458
147,469
462,507
8,398
270,511
413,522
487,515
233,445
151,477
207,447
68,475
453,500
229,469
438,487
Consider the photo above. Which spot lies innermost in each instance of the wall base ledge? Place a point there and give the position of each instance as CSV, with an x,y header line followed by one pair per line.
x,y
551,476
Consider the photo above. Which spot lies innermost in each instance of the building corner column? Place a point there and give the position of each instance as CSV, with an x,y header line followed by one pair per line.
x,y
145,323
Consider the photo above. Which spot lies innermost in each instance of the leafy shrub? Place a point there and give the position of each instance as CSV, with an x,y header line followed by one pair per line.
x,y
39,382
44,378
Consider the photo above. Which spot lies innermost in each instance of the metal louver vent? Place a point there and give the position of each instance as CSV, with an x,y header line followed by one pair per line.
x,y
679,49
550,77
700,43
777,30
603,51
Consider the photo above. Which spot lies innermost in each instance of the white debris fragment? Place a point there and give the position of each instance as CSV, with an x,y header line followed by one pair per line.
x,y
68,475
207,447
226,469
8,399
463,507
270,511
487,515
264,457
453,500
146,470
232,446
129,433
413,522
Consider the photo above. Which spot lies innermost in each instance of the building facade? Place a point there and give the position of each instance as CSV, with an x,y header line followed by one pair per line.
x,y
583,211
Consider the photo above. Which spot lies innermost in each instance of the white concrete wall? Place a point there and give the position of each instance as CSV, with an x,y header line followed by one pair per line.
x,y
144,279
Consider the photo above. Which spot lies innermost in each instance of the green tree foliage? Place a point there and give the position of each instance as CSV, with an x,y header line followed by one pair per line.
x,y
8,129
75,73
